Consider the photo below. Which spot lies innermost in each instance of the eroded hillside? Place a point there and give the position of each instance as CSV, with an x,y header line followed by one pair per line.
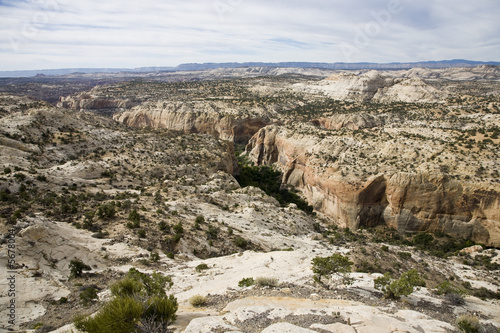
x,y
155,187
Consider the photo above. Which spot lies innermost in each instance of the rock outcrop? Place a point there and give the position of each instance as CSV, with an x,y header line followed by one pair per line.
x,y
376,87
408,201
196,117
413,90
354,121
348,86
86,101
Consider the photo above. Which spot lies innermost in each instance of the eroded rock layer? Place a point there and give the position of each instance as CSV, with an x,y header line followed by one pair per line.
x,y
196,117
410,201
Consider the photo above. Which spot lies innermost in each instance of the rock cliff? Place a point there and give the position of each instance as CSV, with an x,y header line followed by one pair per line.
x,y
88,101
410,201
193,117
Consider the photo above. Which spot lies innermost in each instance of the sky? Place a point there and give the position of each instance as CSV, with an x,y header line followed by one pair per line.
x,y
49,34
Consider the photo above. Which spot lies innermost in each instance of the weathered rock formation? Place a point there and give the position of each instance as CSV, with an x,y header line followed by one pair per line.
x,y
354,121
195,117
413,90
86,101
407,201
373,86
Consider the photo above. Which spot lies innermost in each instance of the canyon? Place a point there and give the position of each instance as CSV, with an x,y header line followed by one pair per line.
x,y
216,176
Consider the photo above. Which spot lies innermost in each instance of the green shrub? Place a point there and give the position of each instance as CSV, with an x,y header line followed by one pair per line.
x,y
178,229
468,324
88,296
240,242
106,212
199,219
266,282
134,217
403,286
141,233
119,315
77,267
198,300
140,303
246,282
212,232
162,309
154,257
127,287
201,267
423,240
335,264
445,288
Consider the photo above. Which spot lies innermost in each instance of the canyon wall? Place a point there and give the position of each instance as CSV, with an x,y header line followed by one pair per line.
x,y
199,117
407,201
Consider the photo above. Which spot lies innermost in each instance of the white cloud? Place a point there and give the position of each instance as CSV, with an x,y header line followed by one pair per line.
x,y
129,33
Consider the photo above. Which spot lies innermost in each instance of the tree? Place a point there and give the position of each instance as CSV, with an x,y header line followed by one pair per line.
x,y
77,267
395,288
335,264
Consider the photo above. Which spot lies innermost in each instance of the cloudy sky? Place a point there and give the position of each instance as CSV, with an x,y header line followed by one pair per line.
x,y
44,34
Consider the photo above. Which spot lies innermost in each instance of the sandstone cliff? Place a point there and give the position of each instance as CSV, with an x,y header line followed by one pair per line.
x,y
194,117
409,201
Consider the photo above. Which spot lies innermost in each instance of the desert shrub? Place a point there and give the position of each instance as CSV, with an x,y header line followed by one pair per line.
x,y
77,267
201,267
198,300
154,256
423,240
246,282
468,324
177,238
240,242
88,296
445,288
178,229
199,219
127,287
161,308
140,302
141,233
395,288
485,293
366,267
455,299
163,226
119,315
212,232
404,255
266,282
134,217
106,212
335,264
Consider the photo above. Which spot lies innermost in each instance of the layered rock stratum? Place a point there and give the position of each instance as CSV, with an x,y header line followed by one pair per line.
x,y
357,193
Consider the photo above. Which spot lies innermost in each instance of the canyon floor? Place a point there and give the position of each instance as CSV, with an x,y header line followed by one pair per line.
x,y
216,177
